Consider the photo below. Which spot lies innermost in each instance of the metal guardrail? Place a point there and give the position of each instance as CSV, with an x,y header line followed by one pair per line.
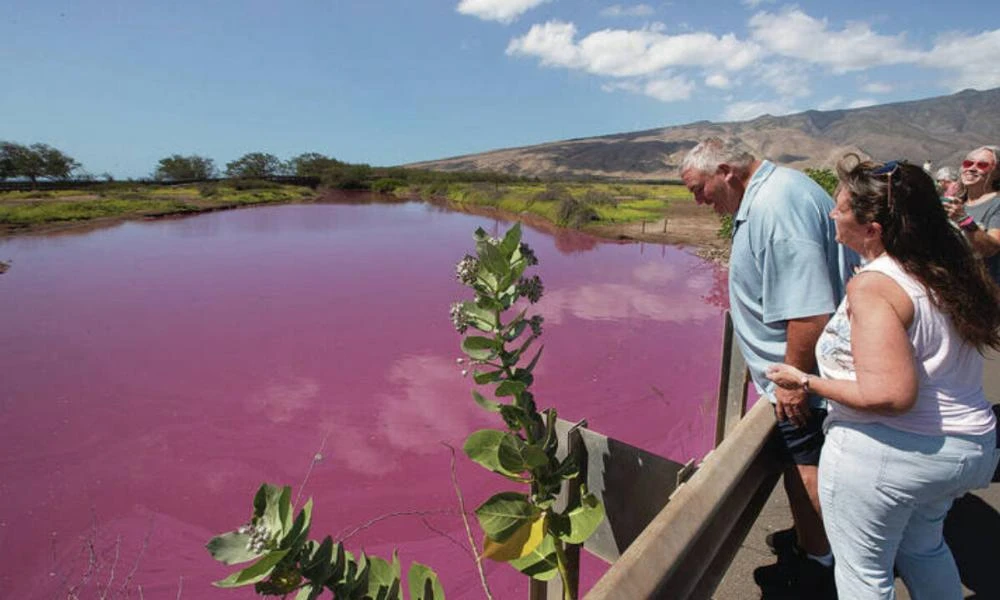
x,y
668,533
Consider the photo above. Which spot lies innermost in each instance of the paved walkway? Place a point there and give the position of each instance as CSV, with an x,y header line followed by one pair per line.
x,y
972,530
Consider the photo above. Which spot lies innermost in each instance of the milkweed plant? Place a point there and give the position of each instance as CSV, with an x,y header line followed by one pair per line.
x,y
522,528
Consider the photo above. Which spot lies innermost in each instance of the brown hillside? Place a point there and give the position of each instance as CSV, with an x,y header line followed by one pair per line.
x,y
939,129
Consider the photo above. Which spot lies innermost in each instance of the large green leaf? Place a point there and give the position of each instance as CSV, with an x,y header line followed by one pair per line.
x,y
487,404
423,583
299,531
582,520
483,447
273,508
502,514
484,377
258,571
383,578
541,563
231,548
511,240
483,319
491,258
310,592
479,347
521,543
510,388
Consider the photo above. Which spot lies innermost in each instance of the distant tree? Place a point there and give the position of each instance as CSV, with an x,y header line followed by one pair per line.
x,y
35,162
826,178
313,164
255,165
180,168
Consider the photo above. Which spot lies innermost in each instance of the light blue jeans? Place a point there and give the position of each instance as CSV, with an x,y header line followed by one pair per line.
x,y
885,494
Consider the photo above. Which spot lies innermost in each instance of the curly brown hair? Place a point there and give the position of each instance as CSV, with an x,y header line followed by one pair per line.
x,y
903,199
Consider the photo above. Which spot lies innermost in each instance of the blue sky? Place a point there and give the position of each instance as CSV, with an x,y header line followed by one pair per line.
x,y
118,84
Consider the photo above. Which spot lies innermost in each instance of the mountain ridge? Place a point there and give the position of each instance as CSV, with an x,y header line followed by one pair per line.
x,y
941,129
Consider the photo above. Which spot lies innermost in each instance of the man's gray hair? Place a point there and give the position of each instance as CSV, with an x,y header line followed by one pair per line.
x,y
712,152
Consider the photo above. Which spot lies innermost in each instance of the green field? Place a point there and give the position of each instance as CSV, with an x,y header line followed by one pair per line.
x,y
20,210
567,204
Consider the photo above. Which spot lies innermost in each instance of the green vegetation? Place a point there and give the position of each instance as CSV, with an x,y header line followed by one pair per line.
x,y
826,178
525,530
34,162
575,205
26,209
185,168
287,561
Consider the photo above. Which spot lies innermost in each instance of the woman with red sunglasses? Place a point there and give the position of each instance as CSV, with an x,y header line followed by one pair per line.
x,y
978,212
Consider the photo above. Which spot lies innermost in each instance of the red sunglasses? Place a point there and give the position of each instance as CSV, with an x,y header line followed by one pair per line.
x,y
982,165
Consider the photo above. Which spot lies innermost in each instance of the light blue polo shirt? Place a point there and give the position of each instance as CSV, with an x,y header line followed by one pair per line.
x,y
785,264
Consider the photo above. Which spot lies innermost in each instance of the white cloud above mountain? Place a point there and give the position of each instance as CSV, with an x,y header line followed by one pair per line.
x,y
503,11
638,10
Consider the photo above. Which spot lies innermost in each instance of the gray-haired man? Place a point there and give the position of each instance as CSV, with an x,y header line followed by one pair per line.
x,y
786,277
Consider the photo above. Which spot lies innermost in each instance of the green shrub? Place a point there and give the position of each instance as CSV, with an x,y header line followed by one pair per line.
x,y
594,197
725,226
242,185
207,190
574,213
826,178
386,185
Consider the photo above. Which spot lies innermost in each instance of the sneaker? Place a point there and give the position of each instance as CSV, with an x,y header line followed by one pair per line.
x,y
797,578
783,541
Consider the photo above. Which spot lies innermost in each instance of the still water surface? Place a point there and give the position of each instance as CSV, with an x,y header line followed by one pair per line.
x,y
154,374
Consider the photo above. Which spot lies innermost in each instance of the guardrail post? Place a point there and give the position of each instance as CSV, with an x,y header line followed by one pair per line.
x,y
733,380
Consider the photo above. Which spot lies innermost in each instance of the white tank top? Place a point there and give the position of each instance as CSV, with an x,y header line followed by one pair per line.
x,y
950,398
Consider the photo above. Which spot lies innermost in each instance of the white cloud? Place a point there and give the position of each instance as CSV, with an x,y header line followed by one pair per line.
x,y
746,110
617,10
630,53
669,89
875,87
755,3
504,11
971,61
794,34
718,81
664,88
862,102
789,79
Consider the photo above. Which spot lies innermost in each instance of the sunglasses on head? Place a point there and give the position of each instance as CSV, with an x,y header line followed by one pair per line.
x,y
982,165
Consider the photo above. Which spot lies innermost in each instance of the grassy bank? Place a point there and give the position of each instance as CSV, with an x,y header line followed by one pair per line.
x,y
32,210
577,205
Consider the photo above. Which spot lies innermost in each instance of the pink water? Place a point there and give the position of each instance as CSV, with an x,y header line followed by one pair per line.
x,y
154,374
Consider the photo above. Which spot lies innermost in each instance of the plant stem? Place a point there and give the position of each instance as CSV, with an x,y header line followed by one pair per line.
x,y
569,587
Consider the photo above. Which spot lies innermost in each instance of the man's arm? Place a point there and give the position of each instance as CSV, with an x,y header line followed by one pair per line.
x,y
800,352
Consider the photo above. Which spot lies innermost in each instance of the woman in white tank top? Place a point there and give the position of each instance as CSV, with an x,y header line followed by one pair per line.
x,y
909,428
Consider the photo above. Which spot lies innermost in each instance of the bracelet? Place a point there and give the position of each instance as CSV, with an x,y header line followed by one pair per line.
x,y
805,383
968,223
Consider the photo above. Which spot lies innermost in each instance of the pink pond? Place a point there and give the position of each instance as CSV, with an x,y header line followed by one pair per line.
x,y
155,373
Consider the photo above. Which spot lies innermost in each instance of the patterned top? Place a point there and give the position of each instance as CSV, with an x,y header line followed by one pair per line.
x,y
950,398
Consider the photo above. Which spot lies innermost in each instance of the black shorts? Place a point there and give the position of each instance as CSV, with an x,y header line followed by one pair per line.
x,y
802,445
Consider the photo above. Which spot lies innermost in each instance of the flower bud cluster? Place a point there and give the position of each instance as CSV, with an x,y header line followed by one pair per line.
x,y
528,255
467,269
459,318
531,289
535,323
260,537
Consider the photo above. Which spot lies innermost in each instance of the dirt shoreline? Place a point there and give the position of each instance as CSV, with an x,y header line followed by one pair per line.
x,y
686,224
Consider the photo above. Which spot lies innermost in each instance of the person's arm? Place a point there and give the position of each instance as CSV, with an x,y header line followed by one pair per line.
x,y
800,352
883,356
984,242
